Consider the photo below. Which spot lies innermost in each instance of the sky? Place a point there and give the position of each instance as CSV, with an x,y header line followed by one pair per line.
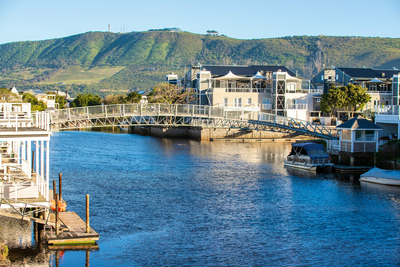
x,y
28,20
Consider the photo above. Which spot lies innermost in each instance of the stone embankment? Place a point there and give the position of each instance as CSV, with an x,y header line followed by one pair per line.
x,y
215,134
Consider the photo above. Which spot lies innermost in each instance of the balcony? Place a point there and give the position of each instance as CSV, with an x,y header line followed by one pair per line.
x,y
316,91
387,109
296,106
380,92
297,91
233,106
240,90
266,106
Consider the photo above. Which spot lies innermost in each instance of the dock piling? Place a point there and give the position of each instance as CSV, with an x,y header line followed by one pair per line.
x,y
87,214
60,185
57,215
54,190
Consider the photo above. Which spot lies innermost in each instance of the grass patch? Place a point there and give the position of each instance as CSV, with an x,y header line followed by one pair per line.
x,y
80,75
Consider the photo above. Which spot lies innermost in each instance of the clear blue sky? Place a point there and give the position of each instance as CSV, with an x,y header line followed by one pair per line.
x,y
22,20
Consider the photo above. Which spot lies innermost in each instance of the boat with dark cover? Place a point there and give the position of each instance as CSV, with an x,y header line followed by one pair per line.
x,y
308,156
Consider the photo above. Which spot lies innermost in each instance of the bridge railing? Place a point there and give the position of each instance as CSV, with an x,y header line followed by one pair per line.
x,y
122,110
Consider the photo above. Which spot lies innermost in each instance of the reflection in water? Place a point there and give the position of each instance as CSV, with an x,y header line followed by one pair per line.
x,y
171,202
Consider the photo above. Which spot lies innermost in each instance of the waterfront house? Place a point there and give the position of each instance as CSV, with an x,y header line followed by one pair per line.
x,y
254,88
24,154
381,85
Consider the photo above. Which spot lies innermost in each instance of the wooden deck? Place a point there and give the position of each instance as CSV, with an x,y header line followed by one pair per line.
x,y
74,232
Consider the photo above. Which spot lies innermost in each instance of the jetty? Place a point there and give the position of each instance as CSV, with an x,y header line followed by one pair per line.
x,y
73,231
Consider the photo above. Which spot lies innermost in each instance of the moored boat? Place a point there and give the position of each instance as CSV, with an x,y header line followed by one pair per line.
x,y
380,176
308,156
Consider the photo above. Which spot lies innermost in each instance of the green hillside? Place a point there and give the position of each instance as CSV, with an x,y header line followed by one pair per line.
x,y
104,62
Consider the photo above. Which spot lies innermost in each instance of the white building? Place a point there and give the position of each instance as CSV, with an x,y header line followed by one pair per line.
x,y
24,154
256,88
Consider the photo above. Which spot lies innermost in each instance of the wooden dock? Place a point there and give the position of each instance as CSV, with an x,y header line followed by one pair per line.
x,y
350,169
74,232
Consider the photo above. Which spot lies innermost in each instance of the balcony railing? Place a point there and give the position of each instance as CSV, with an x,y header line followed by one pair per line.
x,y
254,106
266,106
387,110
315,91
380,92
243,90
296,106
298,91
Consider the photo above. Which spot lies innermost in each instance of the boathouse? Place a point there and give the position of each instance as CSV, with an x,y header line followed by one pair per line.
x,y
358,139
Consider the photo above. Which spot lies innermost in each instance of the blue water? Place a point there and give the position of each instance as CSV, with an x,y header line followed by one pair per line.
x,y
171,202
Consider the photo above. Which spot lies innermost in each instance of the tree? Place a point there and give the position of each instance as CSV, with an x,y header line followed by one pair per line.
x,y
84,100
134,97
60,99
170,94
35,103
357,97
390,150
115,99
350,97
7,96
335,98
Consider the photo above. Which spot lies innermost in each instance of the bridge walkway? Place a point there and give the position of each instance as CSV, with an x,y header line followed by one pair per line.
x,y
181,115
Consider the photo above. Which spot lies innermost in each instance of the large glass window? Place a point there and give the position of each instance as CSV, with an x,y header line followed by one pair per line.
x,y
369,135
359,135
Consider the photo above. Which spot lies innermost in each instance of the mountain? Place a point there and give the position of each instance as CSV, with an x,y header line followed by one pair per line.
x,y
104,62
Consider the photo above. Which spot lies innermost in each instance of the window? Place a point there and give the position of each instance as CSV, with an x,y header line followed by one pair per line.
x,y
372,87
266,101
237,102
359,135
249,101
368,135
225,102
346,135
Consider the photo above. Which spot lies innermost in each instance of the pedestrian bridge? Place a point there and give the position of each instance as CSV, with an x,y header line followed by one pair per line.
x,y
181,115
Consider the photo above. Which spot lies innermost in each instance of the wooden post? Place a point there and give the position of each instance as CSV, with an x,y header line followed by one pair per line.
x,y
54,190
87,214
57,230
60,185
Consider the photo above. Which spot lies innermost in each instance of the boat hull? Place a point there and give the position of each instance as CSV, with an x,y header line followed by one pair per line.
x,y
307,166
384,181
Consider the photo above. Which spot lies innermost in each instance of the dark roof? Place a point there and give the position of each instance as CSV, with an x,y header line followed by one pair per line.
x,y
315,151
369,73
245,70
359,123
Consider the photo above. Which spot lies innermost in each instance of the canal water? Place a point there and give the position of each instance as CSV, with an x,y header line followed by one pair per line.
x,y
174,202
